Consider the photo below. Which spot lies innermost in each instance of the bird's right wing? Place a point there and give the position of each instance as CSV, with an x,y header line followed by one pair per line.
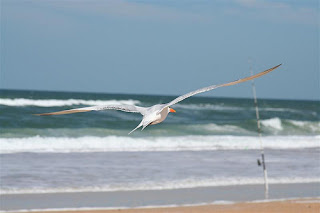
x,y
205,89
125,108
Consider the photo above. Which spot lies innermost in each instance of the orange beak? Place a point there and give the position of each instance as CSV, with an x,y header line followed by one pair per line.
x,y
172,110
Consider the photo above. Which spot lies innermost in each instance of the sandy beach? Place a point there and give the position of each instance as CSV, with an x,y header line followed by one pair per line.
x,y
311,205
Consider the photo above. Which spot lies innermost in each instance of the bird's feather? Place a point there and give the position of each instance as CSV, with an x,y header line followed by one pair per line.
x,y
205,89
125,108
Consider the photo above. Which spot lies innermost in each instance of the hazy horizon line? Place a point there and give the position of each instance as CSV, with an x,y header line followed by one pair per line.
x,y
140,94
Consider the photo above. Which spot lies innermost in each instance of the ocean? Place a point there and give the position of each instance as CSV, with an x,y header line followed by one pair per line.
x,y
208,142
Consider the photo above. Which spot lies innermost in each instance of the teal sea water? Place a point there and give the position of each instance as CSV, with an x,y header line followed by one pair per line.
x,y
195,116
209,141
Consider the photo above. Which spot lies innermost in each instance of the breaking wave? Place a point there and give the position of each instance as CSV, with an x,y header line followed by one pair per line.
x,y
161,185
215,107
292,127
175,143
274,123
223,107
61,102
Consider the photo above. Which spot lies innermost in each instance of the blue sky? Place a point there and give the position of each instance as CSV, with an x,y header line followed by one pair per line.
x,y
160,47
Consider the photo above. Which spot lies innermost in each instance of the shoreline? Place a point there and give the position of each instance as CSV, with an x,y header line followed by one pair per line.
x,y
304,205
156,198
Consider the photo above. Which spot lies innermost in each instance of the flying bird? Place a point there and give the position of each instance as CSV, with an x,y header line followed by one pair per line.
x,y
156,113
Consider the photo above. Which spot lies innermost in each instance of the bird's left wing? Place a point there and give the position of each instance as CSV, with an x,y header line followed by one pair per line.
x,y
125,108
205,89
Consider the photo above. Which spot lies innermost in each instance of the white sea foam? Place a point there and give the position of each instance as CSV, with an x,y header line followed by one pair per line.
x,y
211,127
299,123
224,128
274,123
174,184
307,201
271,109
311,125
270,126
222,107
61,102
175,143
216,107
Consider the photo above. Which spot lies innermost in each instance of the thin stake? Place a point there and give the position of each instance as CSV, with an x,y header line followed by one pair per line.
x,y
266,185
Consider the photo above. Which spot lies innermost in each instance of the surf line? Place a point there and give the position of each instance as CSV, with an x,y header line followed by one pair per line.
x,y
266,184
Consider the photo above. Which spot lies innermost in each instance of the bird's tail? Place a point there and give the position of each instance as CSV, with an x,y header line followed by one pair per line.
x,y
135,128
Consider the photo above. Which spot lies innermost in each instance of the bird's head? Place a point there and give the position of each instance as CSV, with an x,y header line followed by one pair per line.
x,y
171,110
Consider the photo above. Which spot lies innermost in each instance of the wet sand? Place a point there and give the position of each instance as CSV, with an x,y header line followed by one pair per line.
x,y
169,197
311,205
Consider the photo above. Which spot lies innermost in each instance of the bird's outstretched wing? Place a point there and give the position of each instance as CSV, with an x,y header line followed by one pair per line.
x,y
205,89
125,108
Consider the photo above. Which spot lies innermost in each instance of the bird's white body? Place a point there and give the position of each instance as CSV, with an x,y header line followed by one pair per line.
x,y
159,112
159,117
153,115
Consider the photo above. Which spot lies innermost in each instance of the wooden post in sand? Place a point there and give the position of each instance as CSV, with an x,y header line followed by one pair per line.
x,y
266,185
